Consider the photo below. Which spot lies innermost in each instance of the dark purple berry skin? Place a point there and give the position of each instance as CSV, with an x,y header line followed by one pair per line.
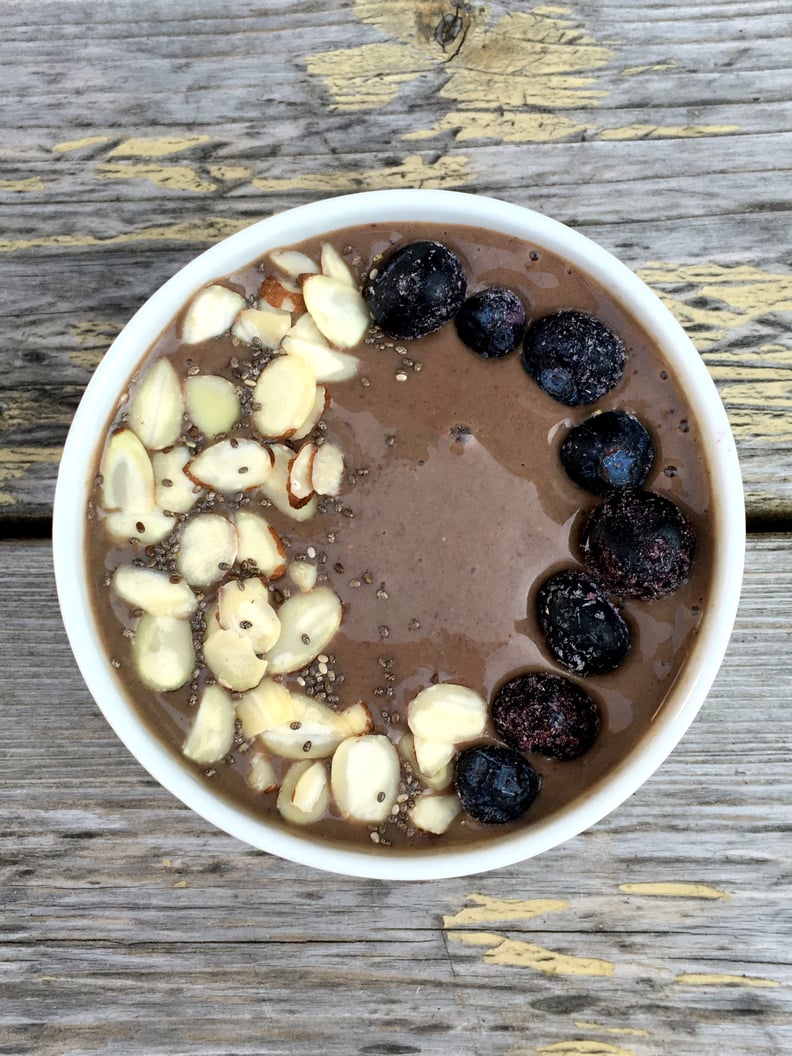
x,y
495,784
638,544
573,356
609,450
492,322
583,629
546,714
417,289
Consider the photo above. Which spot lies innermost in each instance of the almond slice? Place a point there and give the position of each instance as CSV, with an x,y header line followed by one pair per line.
x,y
261,776
212,403
304,794
153,591
266,706
127,474
233,661
260,544
432,756
285,393
278,294
148,528
337,308
173,488
308,624
438,781
335,267
313,732
321,403
156,409
358,718
434,814
306,329
298,484
294,263
243,605
231,465
163,652
212,732
303,574
207,550
327,469
364,778
447,713
274,488
327,364
267,326
211,313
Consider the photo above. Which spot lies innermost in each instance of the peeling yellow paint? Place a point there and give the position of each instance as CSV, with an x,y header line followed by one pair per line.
x,y
230,172
485,910
22,407
634,1031
583,1047
205,229
93,338
368,77
32,183
16,461
78,144
518,953
658,67
508,126
666,131
172,177
156,146
705,979
674,890
413,171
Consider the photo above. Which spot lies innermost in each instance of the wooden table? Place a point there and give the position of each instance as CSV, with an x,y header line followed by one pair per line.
x,y
137,134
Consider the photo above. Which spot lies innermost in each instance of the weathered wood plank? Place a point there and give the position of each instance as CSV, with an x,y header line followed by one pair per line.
x,y
130,925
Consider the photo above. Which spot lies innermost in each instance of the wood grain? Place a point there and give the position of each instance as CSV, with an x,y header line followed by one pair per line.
x,y
130,925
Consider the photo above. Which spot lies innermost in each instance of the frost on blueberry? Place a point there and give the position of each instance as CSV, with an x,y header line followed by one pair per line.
x,y
491,322
547,714
417,289
494,783
573,356
583,629
607,451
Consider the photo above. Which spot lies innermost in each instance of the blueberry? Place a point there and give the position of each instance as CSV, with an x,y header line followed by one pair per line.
x,y
609,450
417,289
584,630
547,714
492,322
638,545
495,784
573,356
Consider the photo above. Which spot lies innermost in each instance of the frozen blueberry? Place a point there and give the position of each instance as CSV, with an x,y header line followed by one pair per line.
x,y
584,630
417,289
491,322
638,545
573,356
609,450
547,714
495,784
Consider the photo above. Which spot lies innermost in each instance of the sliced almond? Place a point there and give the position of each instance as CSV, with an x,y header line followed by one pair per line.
x,y
208,548
155,411
364,778
447,713
294,263
303,574
440,780
335,267
233,661
274,488
433,813
173,488
313,732
261,773
148,528
212,732
212,403
267,326
327,364
432,756
304,794
260,544
358,718
211,313
244,606
299,487
337,308
163,652
285,393
305,328
153,591
277,295
308,625
231,465
265,707
321,404
327,469
127,474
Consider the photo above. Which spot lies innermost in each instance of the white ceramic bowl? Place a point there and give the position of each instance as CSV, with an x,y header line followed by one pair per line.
x,y
690,689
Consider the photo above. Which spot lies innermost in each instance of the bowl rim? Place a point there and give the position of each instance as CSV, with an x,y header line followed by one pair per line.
x,y
324,217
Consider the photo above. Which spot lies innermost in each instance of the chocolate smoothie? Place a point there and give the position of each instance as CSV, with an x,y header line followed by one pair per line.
x,y
453,509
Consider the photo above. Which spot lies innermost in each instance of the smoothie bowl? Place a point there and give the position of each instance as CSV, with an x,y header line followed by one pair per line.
x,y
400,535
